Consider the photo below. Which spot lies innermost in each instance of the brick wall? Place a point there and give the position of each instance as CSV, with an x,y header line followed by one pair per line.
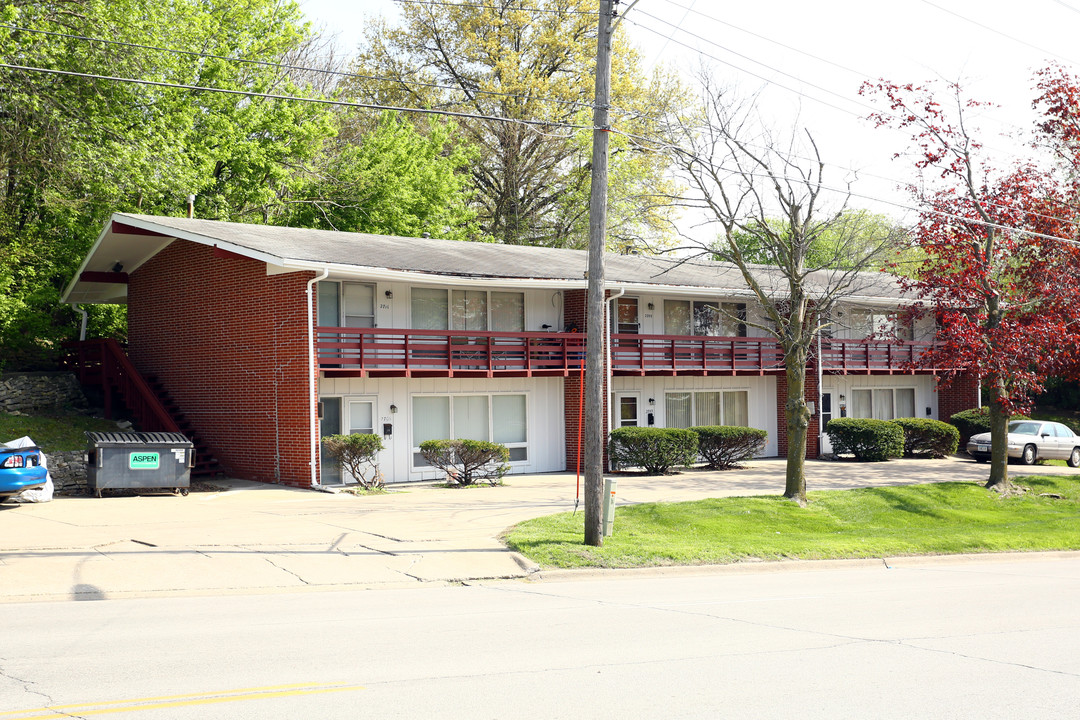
x,y
960,394
811,395
574,313
229,343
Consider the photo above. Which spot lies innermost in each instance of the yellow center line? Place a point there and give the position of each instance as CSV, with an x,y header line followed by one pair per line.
x,y
191,699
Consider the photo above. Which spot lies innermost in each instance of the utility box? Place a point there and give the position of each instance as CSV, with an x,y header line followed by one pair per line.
x,y
117,460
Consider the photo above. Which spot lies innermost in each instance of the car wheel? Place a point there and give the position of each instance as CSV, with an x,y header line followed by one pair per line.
x,y
1028,457
1074,457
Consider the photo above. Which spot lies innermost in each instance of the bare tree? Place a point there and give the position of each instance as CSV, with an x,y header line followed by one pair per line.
x,y
752,184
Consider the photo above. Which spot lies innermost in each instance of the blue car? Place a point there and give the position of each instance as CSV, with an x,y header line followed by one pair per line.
x,y
20,469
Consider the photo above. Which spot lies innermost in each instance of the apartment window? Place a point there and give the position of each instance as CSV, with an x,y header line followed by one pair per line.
x,y
880,324
346,304
498,418
704,317
688,409
883,403
467,310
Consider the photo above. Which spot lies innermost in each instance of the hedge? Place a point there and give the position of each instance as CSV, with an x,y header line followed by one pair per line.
x,y
356,452
924,437
466,461
657,450
726,446
868,440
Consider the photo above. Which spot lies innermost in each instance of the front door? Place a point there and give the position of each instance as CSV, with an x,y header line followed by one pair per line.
x,y
629,409
825,417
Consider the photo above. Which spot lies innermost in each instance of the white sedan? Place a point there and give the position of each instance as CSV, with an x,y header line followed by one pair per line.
x,y
1031,440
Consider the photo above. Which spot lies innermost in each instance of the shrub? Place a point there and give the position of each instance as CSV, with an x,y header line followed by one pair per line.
x,y
868,440
356,452
467,461
975,421
657,450
725,446
924,437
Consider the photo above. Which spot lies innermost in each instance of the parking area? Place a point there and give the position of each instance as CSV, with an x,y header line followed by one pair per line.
x,y
254,537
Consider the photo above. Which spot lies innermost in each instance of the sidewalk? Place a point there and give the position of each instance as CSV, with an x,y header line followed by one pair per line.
x,y
261,538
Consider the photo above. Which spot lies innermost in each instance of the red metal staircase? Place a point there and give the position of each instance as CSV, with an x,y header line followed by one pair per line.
x,y
103,364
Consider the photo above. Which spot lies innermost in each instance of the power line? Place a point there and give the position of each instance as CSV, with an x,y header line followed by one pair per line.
x,y
495,7
769,40
318,101
287,66
848,192
999,32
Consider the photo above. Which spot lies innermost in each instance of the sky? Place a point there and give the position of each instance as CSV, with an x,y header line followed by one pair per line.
x,y
806,61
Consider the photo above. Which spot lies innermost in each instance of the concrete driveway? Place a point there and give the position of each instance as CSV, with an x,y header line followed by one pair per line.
x,y
256,537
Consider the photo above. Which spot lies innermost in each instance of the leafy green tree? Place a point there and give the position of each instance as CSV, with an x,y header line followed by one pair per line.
x,y
872,239
393,181
500,59
74,149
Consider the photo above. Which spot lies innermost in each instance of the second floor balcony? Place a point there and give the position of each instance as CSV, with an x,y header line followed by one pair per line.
x,y
379,352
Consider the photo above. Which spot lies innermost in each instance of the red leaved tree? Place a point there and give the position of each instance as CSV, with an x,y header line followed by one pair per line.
x,y
999,260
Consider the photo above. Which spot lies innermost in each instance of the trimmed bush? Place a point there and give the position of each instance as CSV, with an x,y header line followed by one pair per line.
x,y
924,437
657,450
357,452
975,421
868,440
466,461
725,446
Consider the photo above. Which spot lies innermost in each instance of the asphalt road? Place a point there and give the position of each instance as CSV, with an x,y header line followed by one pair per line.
x,y
946,638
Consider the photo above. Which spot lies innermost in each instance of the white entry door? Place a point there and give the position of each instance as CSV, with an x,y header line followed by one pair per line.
x,y
825,417
628,408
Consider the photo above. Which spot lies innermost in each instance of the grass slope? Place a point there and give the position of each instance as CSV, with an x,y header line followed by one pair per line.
x,y
55,432
940,518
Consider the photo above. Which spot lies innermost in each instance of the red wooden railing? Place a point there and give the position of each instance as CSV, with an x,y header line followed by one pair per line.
x,y
103,362
379,351
642,354
848,356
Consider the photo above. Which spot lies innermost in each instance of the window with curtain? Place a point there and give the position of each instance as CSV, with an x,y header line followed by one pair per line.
x,y
905,402
883,403
469,310
677,317
707,318
733,319
715,407
471,417
678,409
500,418
430,309
737,408
707,408
508,311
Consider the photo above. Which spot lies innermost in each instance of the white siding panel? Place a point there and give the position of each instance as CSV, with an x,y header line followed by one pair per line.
x,y
762,397
544,398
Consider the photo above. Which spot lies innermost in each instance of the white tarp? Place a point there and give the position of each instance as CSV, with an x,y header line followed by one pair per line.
x,y
34,495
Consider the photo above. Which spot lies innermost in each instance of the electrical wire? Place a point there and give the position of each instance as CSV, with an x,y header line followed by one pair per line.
x,y
443,3
849,193
301,68
295,98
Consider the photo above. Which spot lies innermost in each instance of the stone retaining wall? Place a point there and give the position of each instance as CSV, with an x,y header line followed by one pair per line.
x,y
22,392
68,471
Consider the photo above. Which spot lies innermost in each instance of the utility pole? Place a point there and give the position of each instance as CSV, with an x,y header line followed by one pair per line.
x,y
595,435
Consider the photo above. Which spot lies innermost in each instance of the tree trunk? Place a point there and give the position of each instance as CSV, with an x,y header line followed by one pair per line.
x,y
999,440
798,422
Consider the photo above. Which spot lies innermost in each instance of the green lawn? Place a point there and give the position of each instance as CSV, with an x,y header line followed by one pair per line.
x,y
53,432
939,518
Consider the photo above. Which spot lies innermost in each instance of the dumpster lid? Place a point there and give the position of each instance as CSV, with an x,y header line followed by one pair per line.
x,y
137,438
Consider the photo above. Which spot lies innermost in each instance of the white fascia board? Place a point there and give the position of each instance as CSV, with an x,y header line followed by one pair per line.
x,y
86,260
